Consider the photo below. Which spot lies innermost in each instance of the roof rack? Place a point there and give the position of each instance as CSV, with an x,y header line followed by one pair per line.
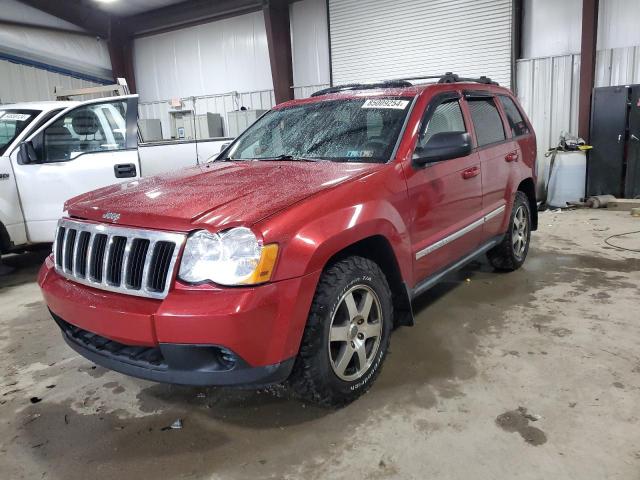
x,y
362,86
448,77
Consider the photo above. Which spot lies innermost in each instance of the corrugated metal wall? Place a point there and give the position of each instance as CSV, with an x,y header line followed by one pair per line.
x,y
21,83
548,90
378,39
75,52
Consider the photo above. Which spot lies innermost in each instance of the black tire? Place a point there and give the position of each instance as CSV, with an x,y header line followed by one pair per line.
x,y
507,256
315,375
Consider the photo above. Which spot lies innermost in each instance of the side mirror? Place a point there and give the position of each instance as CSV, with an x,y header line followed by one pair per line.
x,y
443,146
27,153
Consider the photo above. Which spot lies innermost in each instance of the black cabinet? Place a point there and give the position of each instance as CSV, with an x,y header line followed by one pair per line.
x,y
613,165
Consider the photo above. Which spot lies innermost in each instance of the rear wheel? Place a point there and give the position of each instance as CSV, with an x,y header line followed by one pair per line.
x,y
511,253
347,334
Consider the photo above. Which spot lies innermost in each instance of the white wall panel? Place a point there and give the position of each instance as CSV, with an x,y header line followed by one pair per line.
x,y
309,43
551,27
373,40
21,83
618,24
548,90
223,56
75,52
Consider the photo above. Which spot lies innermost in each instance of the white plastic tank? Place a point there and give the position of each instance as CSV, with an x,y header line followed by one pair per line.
x,y
567,179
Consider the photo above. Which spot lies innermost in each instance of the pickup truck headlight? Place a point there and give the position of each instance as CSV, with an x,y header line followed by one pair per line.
x,y
232,257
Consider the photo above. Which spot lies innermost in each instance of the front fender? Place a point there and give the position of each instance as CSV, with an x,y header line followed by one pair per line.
x,y
314,242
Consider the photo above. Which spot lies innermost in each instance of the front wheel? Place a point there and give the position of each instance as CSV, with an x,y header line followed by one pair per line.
x,y
346,337
511,253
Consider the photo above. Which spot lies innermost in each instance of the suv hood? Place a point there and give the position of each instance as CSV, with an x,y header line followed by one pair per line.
x,y
213,195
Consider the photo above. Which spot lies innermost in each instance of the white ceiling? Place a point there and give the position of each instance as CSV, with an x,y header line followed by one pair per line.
x,y
130,7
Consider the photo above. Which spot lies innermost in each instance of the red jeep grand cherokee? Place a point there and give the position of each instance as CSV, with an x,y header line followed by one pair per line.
x,y
294,255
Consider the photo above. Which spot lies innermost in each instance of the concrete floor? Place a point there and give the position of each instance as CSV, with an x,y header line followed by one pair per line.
x,y
534,374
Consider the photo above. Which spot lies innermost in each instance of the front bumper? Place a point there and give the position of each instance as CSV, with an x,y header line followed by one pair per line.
x,y
211,336
172,363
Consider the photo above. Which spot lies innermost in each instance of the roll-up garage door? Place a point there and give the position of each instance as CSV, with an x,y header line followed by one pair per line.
x,y
382,39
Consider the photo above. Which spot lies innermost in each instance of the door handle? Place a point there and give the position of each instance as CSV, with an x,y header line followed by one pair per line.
x,y
470,173
124,170
511,157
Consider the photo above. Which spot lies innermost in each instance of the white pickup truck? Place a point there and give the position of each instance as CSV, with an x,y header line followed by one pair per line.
x,y
52,151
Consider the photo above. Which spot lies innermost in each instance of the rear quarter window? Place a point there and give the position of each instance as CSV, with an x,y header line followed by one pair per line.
x,y
516,121
487,122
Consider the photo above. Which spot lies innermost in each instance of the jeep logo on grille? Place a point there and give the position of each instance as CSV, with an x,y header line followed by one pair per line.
x,y
112,216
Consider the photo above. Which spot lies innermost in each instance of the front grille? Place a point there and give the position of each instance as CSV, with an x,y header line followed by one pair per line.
x,y
109,257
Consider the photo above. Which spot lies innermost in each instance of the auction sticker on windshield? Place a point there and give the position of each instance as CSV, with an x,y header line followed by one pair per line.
x,y
18,117
386,103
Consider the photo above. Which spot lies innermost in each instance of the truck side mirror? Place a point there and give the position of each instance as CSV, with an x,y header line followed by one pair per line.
x,y
27,153
443,146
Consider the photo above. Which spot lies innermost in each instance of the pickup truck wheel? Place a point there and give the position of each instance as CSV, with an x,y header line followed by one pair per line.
x,y
511,253
346,337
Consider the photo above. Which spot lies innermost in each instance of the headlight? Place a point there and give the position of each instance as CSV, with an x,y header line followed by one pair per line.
x,y
233,257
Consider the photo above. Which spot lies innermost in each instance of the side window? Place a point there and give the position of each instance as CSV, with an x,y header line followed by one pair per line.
x,y
516,122
486,121
447,117
92,128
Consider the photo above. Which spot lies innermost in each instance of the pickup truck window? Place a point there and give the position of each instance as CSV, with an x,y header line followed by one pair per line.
x,y
356,130
12,122
486,121
90,128
447,117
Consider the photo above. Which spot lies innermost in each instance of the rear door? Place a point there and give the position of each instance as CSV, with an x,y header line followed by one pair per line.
x,y
83,148
446,196
497,153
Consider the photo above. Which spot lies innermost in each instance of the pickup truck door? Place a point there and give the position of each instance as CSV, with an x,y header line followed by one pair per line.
x,y
446,196
11,216
83,148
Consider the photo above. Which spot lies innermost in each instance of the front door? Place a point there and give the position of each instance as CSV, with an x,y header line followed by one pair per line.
x,y
446,196
83,148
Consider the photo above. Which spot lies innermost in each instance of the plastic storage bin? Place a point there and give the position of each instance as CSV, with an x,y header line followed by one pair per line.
x,y
568,178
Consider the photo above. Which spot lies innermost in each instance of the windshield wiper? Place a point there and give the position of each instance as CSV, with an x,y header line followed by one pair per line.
x,y
287,158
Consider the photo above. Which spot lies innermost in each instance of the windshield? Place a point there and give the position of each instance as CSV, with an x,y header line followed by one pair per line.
x,y
12,122
350,130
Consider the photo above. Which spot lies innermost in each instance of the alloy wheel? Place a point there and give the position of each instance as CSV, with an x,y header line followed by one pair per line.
x,y
520,231
355,333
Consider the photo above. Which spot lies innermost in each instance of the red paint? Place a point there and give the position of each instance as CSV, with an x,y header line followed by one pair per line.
x,y
312,211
